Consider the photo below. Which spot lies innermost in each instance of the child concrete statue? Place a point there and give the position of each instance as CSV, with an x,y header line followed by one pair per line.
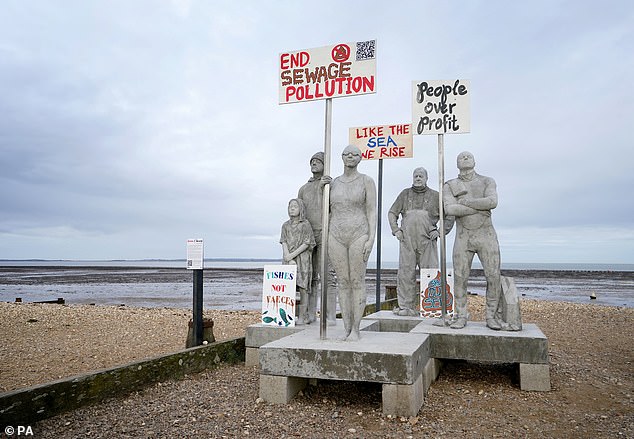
x,y
351,237
417,206
297,244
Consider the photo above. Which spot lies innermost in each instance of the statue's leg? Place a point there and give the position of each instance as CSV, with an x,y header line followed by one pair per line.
x,y
489,254
406,276
462,258
304,304
338,254
357,284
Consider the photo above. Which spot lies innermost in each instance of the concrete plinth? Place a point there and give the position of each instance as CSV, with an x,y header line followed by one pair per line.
x,y
404,354
403,399
260,334
377,357
535,377
280,389
477,342
398,364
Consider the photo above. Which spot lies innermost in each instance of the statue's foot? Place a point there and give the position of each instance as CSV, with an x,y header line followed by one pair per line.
x,y
493,324
354,336
345,336
459,323
396,310
331,322
407,312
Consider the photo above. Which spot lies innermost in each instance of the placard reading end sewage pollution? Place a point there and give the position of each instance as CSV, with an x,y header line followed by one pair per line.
x,y
278,295
441,107
342,69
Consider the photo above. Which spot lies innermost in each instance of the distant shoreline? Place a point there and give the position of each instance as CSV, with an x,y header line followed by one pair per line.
x,y
255,263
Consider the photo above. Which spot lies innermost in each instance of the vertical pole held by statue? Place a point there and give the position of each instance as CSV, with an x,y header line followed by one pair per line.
x,y
441,227
325,223
378,238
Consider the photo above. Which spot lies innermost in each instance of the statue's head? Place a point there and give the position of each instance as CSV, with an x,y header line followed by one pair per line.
x,y
351,156
317,162
465,161
419,177
296,208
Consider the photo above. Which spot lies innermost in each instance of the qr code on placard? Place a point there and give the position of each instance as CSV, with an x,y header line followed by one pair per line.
x,y
366,50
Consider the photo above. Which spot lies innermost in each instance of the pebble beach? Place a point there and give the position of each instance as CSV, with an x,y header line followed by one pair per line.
x,y
592,380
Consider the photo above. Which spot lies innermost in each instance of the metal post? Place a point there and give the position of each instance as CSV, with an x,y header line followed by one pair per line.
x,y
378,238
325,223
441,227
198,308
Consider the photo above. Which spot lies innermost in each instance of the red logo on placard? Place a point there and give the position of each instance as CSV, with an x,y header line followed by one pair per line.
x,y
341,52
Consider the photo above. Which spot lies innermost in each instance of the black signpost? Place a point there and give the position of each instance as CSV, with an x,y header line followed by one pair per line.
x,y
195,263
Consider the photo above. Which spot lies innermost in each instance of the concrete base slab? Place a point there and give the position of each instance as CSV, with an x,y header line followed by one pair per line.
x,y
475,341
535,377
403,353
261,334
377,357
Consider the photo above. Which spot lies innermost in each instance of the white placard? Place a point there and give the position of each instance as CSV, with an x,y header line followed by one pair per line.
x,y
195,254
441,107
278,295
342,69
384,141
430,302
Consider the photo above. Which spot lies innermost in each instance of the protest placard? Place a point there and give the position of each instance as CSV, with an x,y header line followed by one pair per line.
x,y
278,295
342,69
441,107
383,142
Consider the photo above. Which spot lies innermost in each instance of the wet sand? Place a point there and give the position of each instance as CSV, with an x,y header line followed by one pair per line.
x,y
241,289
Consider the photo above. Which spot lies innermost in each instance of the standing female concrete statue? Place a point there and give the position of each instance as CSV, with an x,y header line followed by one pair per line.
x,y
351,237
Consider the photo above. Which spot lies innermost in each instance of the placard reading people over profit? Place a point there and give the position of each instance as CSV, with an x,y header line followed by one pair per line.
x,y
278,295
343,69
441,107
383,142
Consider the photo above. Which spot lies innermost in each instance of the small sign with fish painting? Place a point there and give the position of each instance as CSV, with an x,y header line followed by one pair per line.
x,y
430,295
278,295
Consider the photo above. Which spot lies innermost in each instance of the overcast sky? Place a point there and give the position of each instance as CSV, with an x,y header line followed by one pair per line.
x,y
130,126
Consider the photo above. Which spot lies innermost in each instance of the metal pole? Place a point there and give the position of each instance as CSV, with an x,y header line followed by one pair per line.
x,y
198,308
441,227
378,238
325,222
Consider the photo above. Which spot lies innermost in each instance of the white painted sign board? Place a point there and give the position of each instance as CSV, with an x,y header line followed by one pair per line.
x,y
383,141
195,254
430,299
441,107
342,69
278,295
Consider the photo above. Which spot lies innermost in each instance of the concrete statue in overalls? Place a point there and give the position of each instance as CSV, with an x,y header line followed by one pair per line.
x,y
417,206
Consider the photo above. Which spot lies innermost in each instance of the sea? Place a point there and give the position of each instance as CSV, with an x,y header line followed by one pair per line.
x,y
236,284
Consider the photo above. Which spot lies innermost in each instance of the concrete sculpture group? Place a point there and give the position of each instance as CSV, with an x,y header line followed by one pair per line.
x,y
413,217
400,350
